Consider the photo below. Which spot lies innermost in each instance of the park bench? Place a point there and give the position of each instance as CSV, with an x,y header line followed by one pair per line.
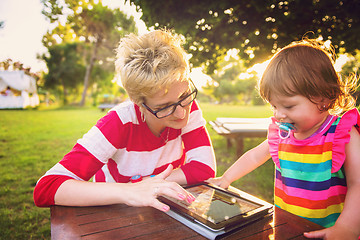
x,y
105,106
237,129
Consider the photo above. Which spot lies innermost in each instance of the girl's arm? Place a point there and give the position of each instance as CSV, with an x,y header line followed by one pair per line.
x,y
245,164
348,224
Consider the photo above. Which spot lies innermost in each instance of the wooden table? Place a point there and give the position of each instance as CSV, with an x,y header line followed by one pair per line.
x,y
240,128
123,222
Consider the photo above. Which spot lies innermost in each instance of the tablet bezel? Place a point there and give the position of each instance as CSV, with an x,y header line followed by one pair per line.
x,y
241,219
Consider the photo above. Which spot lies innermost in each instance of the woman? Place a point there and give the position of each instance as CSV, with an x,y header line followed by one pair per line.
x,y
160,133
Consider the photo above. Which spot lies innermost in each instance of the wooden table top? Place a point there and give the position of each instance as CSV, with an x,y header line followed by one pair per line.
x,y
123,222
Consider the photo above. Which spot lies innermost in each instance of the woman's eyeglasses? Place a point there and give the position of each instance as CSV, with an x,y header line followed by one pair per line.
x,y
168,110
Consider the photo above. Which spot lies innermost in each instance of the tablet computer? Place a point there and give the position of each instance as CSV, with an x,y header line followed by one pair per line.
x,y
219,209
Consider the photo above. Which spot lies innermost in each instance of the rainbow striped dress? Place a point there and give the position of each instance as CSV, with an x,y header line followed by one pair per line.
x,y
310,179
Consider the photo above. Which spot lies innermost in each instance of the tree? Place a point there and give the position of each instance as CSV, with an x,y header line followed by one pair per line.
x,y
98,26
66,67
232,83
351,69
256,27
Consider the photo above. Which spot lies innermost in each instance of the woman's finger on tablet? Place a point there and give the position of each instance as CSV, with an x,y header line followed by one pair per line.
x,y
160,206
174,190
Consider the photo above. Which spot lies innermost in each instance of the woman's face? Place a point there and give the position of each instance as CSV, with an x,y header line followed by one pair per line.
x,y
179,118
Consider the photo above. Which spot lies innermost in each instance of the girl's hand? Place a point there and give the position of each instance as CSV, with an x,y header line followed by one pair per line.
x,y
145,193
336,232
219,181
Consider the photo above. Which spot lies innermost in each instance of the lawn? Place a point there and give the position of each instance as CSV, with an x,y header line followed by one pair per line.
x,y
32,141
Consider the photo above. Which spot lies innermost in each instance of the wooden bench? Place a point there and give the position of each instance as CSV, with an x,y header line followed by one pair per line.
x,y
238,129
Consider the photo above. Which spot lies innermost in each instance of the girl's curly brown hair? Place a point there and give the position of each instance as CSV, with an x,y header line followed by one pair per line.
x,y
307,68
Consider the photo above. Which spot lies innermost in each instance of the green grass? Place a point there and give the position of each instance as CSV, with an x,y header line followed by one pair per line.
x,y
32,141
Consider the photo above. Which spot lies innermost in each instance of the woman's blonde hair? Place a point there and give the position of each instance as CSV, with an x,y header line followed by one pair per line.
x,y
306,68
149,63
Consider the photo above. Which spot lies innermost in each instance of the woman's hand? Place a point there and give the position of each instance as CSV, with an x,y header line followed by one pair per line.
x,y
219,181
145,193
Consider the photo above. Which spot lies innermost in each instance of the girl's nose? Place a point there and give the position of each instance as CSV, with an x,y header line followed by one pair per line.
x,y
279,115
180,112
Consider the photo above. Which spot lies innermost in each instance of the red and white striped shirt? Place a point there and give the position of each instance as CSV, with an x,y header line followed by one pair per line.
x,y
120,145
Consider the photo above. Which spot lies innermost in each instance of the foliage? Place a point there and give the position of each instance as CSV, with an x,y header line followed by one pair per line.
x,y
232,83
66,68
98,27
256,27
351,69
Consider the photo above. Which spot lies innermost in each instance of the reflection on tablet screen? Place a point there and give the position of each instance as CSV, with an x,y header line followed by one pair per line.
x,y
216,206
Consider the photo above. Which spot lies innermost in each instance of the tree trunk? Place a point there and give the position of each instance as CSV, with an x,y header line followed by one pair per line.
x,y
65,101
88,72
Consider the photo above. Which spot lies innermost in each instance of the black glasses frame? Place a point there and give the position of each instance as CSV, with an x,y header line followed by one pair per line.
x,y
174,105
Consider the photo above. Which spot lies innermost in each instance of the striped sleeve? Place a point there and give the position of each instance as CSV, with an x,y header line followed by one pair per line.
x,y
200,158
88,155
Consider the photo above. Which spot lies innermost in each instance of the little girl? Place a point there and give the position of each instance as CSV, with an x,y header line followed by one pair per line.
x,y
316,150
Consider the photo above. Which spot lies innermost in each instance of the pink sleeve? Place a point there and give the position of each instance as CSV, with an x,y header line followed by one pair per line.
x,y
200,163
196,172
45,189
79,163
273,140
342,137
200,158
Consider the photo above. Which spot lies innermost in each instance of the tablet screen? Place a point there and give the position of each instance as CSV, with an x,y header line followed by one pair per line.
x,y
216,206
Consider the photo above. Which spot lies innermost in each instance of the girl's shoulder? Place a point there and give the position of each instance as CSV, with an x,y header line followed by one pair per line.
x,y
342,136
349,119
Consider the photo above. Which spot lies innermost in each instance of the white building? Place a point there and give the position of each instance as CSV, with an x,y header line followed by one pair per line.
x,y
18,90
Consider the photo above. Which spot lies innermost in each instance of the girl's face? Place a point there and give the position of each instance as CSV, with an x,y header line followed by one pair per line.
x,y
179,118
299,111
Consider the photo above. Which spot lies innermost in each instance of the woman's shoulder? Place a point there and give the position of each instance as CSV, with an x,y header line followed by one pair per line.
x,y
127,112
120,114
